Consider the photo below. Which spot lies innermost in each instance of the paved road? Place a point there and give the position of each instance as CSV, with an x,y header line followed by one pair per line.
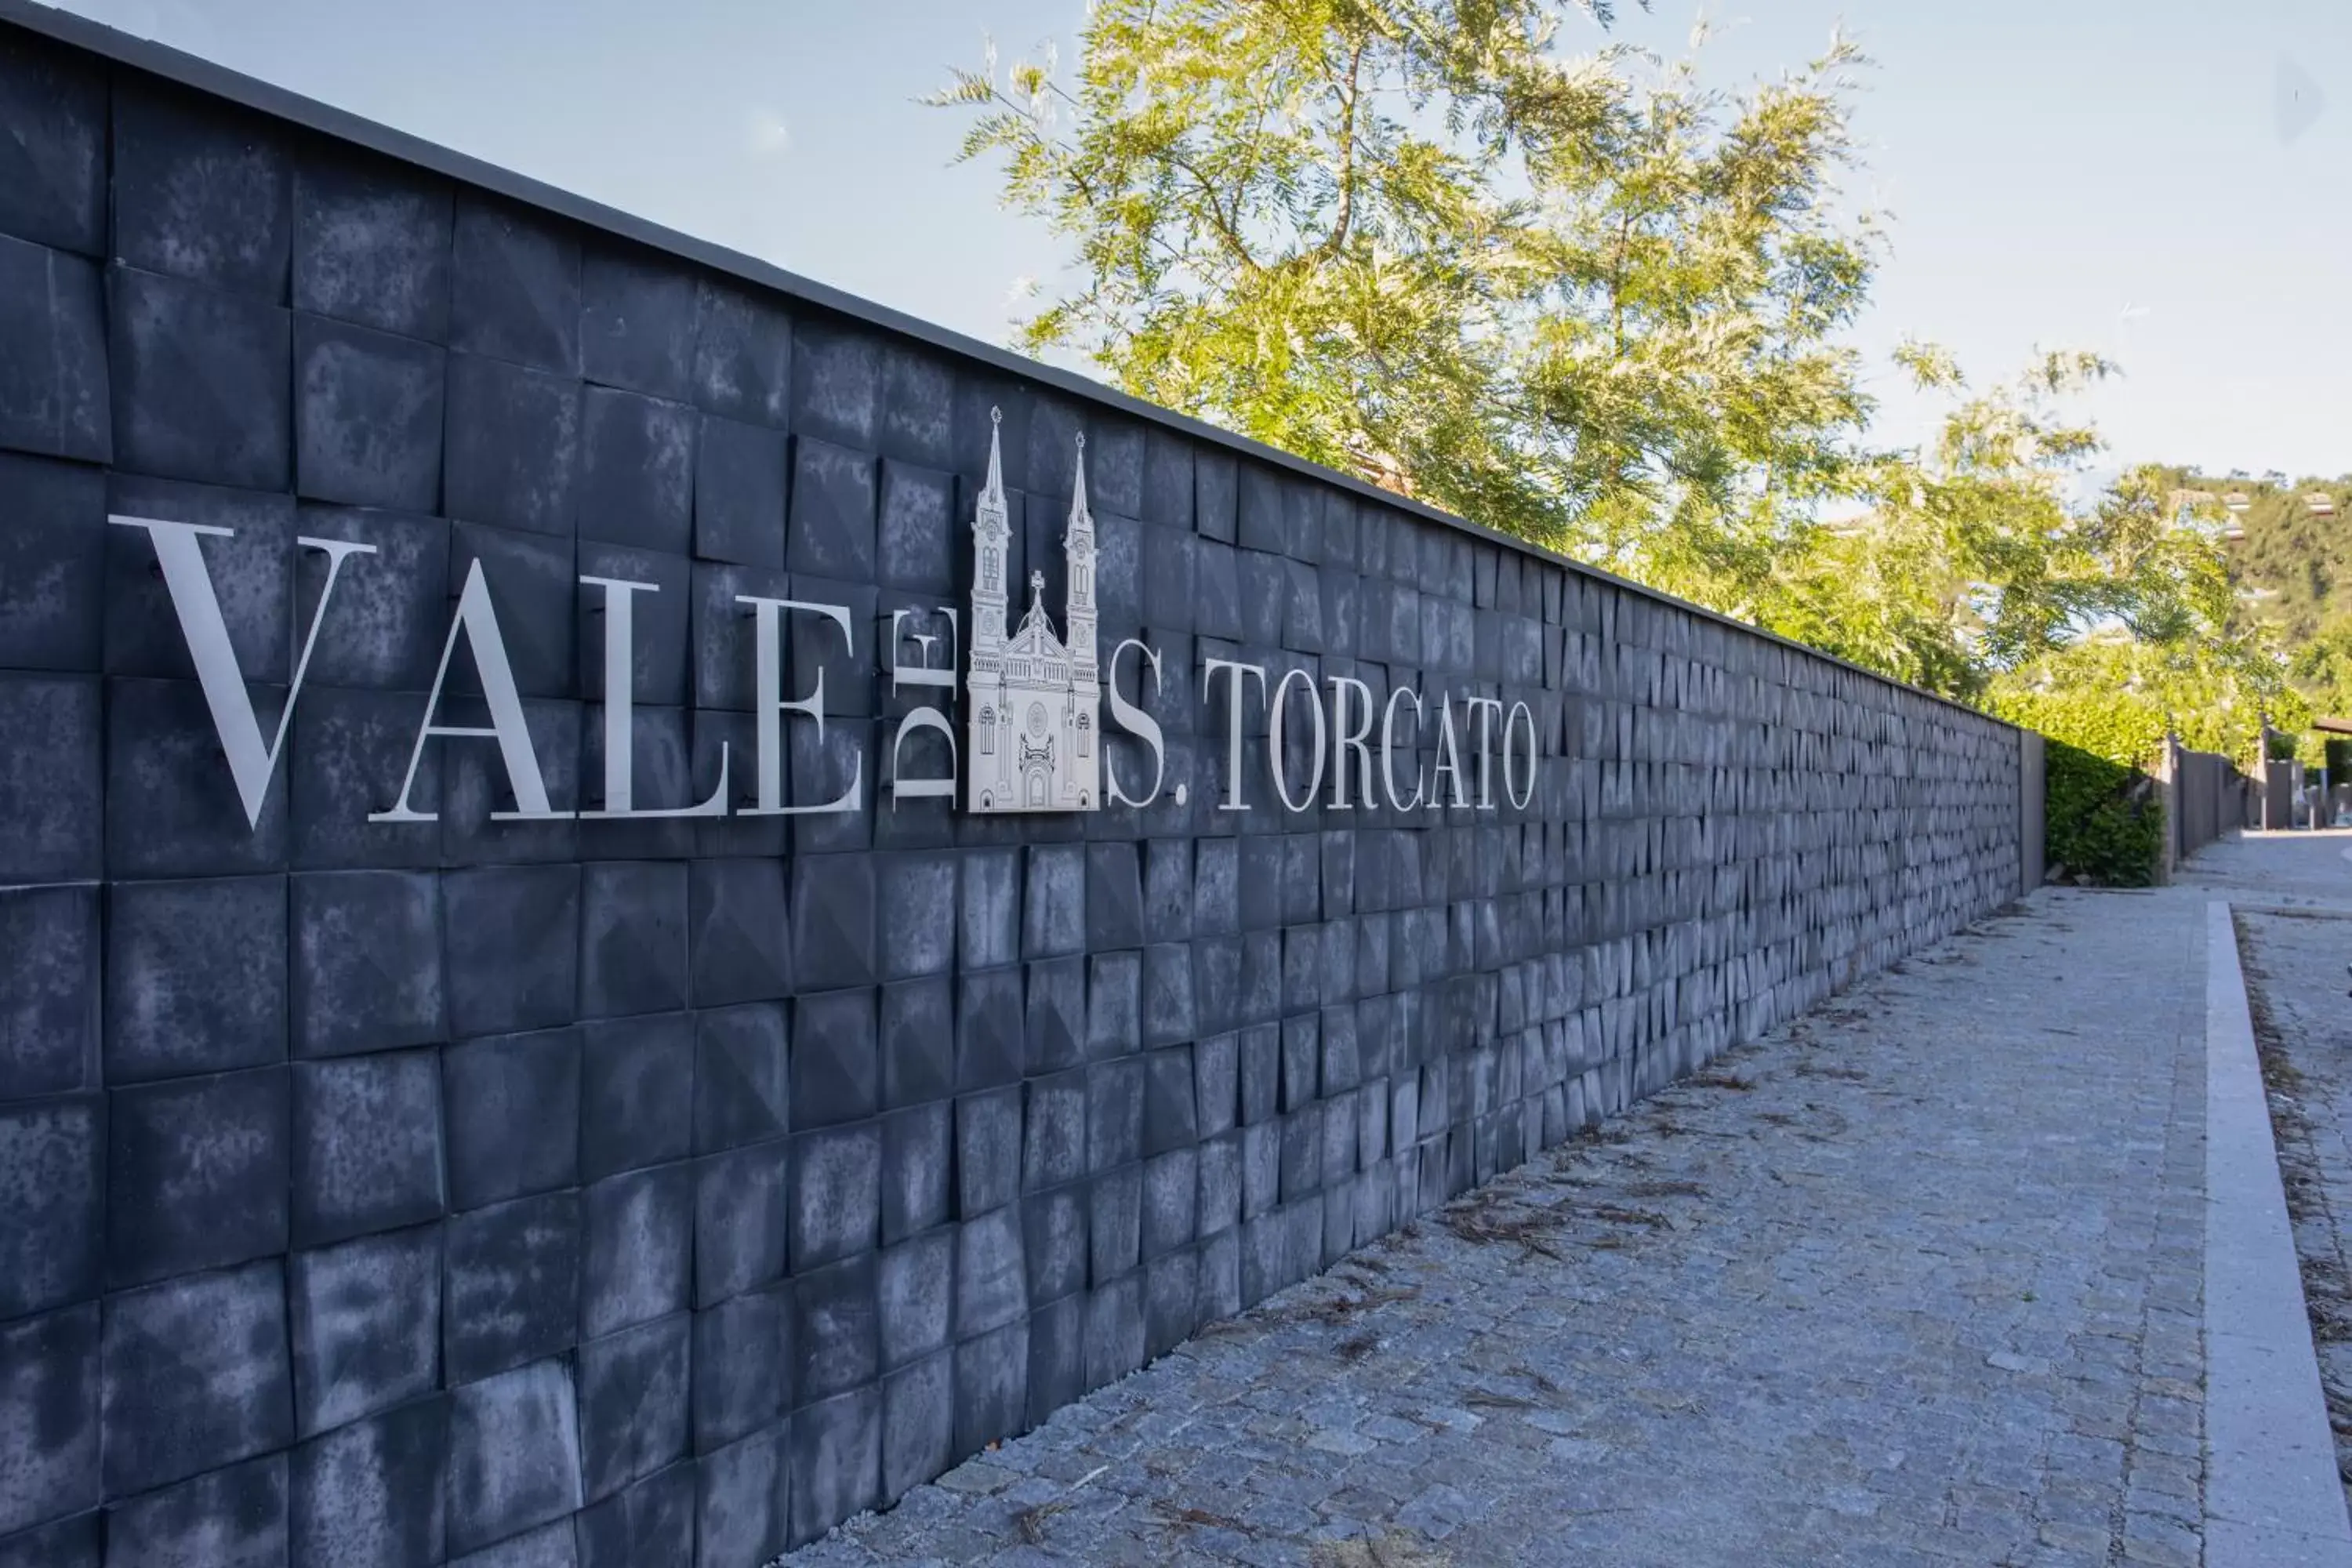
x,y
1916,1281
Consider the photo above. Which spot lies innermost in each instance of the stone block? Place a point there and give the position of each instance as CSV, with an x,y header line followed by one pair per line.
x,y
1113,1005
918,1424
512,1291
836,1329
988,1150
512,458
1114,906
835,1062
915,1297
988,1036
836,1461
637,470
54,123
53,381
367,1145
201,379
366,960
1261,1147
235,1515
637,1093
834,921
745,1076
49,1383
171,805
1170,1118
200,190
636,1247
1114,1222
193,1374
740,1497
1302,1049
1216,983
1054,1131
1218,1290
743,354
836,1194
917,1041
914,538
1264,1264
548,1546
633,938
1114,1113
1057,1357
49,992
372,243
1115,1334
1053,902
989,924
197,1173
1216,1083
351,752
1261,977
991,1388
1167,1015
917,908
724,637
1260,1062
636,320
1170,1301
739,492
830,530
368,1494
511,947
51,779
368,410
1219,1204
739,1222
917,1170
1170,1199
991,1273
514,1454
634,1389
71,1542
366,1327
1054,1232
1056,1005
738,938
514,285
647,1525
513,1116
536,590
53,554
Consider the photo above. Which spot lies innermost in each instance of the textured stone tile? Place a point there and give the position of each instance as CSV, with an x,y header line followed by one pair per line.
x,y
372,243
514,1454
370,1493
197,1173
49,1417
50,961
201,382
366,1326
195,1374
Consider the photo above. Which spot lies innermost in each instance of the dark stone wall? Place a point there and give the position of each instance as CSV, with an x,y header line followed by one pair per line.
x,y
662,1193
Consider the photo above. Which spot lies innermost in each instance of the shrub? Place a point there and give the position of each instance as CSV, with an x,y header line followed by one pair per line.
x,y
2101,819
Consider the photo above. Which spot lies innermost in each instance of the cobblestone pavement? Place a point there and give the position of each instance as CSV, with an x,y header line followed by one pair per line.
x,y
2295,952
1915,1280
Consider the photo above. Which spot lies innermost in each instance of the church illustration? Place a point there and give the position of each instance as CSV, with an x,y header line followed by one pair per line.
x,y
1034,743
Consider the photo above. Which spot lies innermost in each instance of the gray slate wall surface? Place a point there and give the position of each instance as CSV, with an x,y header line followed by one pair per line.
x,y
659,1193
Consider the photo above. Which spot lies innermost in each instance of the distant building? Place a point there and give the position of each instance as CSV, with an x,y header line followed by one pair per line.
x,y
1035,708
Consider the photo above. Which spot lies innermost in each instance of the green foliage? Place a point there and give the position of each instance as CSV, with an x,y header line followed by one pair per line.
x,y
2103,819
2126,731
1586,299
1578,298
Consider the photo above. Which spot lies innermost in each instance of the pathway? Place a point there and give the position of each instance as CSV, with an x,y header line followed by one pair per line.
x,y
1916,1280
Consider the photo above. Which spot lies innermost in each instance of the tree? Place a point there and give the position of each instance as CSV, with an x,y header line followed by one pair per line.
x,y
1578,298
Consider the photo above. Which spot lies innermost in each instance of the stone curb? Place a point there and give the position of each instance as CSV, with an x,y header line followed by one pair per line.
x,y
2272,1497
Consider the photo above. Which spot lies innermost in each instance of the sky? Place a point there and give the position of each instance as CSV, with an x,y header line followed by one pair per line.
x,y
2157,180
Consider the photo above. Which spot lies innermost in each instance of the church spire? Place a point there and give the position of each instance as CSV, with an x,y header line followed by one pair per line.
x,y
994,494
1079,516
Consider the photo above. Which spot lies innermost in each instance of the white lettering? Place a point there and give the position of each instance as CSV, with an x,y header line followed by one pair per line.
x,y
1485,707
1277,709
1137,722
1388,748
1449,754
769,693
620,725
190,585
1520,797
1232,800
480,623
1345,740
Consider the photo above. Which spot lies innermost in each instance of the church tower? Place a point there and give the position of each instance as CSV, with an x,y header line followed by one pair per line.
x,y
991,535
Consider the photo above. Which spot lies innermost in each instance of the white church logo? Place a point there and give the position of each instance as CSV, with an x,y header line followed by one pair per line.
x,y
1034,740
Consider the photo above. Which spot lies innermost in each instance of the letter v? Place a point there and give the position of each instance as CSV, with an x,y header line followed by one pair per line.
x,y
190,582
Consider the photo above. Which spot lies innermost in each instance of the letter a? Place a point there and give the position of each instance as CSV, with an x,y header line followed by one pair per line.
x,y
480,623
